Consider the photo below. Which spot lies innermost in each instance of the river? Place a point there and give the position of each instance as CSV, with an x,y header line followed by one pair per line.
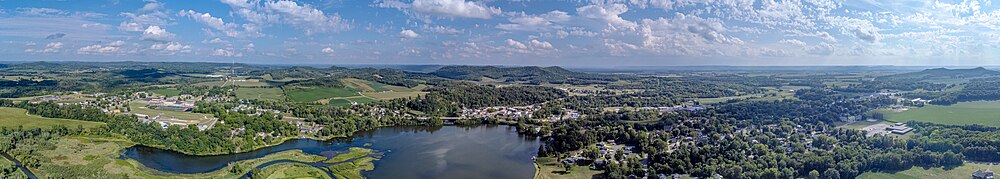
x,y
409,152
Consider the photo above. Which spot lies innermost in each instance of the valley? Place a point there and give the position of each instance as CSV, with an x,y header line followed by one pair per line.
x,y
285,122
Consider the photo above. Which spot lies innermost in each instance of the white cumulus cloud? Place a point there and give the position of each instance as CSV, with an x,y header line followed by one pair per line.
x,y
408,34
539,22
53,47
609,14
444,8
225,53
155,33
170,47
229,29
103,49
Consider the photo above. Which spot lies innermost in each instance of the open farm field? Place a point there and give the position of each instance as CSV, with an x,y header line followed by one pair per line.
x,y
964,113
13,117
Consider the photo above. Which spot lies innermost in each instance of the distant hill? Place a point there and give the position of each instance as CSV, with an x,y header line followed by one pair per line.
x,y
477,72
409,68
528,74
941,73
146,75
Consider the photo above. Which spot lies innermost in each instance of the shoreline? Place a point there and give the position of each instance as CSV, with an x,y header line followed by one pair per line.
x,y
153,171
326,138
538,169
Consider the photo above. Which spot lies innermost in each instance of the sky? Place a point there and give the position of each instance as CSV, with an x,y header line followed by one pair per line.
x,y
597,33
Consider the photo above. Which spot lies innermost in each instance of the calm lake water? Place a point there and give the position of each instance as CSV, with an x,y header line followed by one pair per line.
x,y
409,152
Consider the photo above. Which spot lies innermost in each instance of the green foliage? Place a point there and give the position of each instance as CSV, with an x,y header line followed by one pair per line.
x,y
14,117
940,73
530,75
314,94
447,99
273,94
975,142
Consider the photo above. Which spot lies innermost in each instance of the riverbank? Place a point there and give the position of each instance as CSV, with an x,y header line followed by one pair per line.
x,y
22,172
353,163
85,157
293,170
275,143
415,150
324,138
278,142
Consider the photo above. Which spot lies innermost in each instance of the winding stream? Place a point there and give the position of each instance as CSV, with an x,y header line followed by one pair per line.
x,y
409,152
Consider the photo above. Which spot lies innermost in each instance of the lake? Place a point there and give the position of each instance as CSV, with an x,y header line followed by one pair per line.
x,y
409,152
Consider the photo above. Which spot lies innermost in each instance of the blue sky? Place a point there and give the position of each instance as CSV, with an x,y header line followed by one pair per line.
x,y
513,32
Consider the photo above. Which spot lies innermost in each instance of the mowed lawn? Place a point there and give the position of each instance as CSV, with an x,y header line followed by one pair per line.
x,y
964,171
550,168
347,101
393,94
13,117
315,94
143,108
273,94
294,170
251,82
964,113
167,91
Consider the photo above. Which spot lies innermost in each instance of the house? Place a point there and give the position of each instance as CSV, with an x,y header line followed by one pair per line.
x,y
980,174
599,164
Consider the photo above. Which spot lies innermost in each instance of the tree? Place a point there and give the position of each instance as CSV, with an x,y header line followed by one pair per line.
x,y
831,173
813,175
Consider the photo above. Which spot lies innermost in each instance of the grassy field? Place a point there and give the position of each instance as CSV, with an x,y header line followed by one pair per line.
x,y
363,85
293,170
550,168
141,108
339,102
85,157
352,153
13,117
347,101
768,96
273,94
250,82
393,94
167,91
569,86
26,98
964,113
16,174
15,78
964,171
315,94
63,98
795,87
352,163
283,79
354,168
403,89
